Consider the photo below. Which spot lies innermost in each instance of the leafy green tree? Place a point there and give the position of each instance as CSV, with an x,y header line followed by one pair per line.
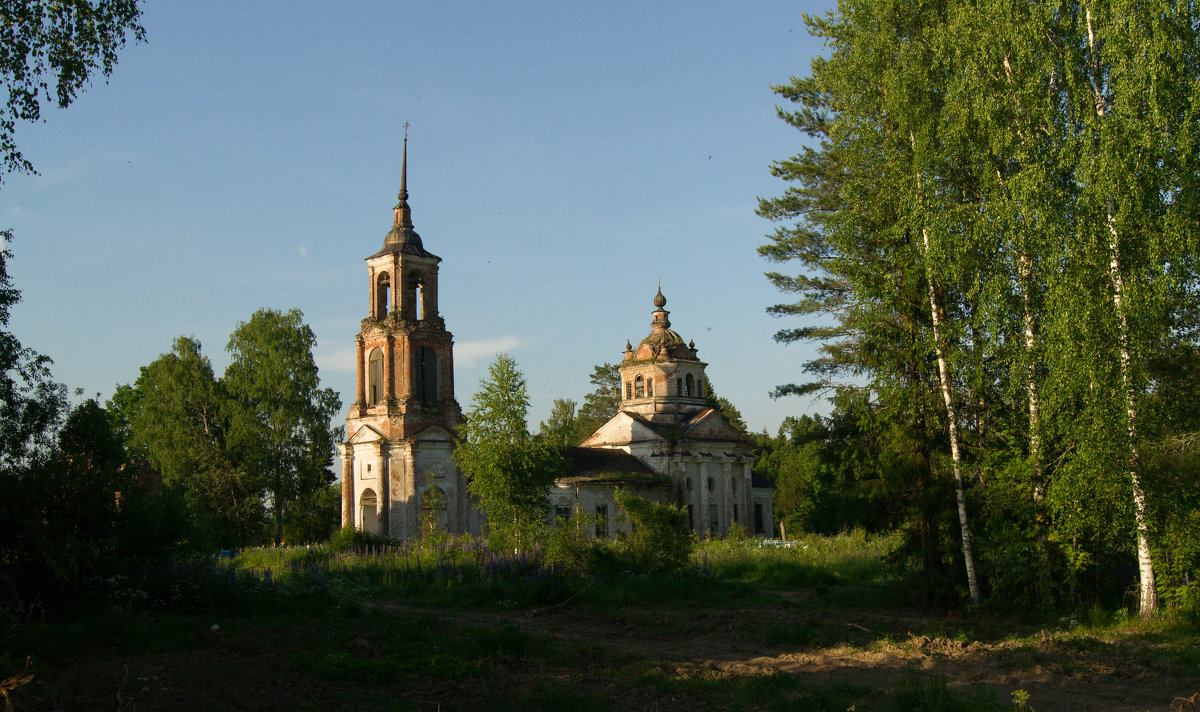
x,y
506,468
661,539
31,404
176,417
314,516
896,314
725,407
433,509
74,511
795,463
61,44
561,427
280,417
1138,196
602,403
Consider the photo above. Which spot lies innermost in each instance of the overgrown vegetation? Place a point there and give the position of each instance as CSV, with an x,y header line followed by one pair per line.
x,y
368,615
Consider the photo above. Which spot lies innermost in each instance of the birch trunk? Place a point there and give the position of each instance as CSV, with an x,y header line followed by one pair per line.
x,y
935,311
1148,598
1037,475
1025,285
1148,593
952,417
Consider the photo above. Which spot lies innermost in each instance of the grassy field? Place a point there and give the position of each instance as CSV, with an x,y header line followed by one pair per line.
x,y
815,626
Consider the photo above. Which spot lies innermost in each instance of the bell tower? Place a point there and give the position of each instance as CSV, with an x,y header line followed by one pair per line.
x,y
404,416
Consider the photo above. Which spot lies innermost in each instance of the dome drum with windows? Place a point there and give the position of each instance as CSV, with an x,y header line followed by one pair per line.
x,y
662,378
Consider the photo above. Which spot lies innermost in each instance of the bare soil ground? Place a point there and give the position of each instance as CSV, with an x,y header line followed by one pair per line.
x,y
649,657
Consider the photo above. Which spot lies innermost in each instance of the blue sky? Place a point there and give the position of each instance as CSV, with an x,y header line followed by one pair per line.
x,y
563,158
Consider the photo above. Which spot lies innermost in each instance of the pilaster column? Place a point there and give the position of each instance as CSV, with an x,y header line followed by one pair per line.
x,y
727,496
347,485
747,498
385,489
389,362
430,295
360,392
372,305
397,287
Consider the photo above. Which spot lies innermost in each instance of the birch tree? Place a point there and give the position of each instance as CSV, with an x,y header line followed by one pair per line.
x,y
1013,187
280,425
509,470
866,230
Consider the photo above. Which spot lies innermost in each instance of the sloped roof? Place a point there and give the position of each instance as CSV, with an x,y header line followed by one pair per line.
x,y
607,465
406,241
706,426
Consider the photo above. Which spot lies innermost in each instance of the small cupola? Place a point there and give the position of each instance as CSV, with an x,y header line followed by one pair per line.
x,y
663,343
661,378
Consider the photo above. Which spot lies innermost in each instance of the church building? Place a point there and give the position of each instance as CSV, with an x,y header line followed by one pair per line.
x,y
676,448
666,444
396,465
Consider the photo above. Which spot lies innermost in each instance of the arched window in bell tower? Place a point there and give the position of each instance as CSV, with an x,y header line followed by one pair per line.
x,y
410,296
375,377
419,305
382,292
425,376
689,385
639,387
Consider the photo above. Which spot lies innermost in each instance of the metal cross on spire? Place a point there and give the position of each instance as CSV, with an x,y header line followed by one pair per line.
x,y
403,214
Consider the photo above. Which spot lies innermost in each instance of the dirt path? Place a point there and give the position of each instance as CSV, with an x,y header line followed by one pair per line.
x,y
643,657
1060,671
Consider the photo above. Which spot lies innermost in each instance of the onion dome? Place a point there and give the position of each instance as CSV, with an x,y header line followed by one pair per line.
x,y
663,342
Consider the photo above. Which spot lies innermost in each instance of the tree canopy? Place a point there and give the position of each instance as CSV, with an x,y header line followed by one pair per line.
x,y
176,416
280,416
603,402
561,427
230,447
992,228
506,468
31,403
50,51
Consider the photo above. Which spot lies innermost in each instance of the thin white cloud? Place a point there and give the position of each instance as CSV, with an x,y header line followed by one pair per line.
x,y
303,251
472,352
82,166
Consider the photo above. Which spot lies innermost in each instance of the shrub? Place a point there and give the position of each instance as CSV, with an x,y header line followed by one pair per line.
x,y
660,540
348,538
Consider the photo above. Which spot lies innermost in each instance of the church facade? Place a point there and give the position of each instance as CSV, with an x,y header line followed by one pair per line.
x,y
665,444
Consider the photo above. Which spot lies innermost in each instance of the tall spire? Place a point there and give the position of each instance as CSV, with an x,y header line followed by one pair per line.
x,y
403,212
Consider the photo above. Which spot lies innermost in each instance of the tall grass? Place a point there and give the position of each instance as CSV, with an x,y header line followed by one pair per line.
x,y
849,559
464,572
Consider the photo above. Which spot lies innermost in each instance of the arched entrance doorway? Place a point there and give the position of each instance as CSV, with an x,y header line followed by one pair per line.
x,y
368,511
